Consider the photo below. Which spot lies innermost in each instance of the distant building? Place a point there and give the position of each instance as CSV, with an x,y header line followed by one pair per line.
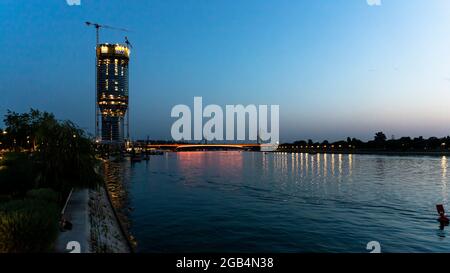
x,y
112,92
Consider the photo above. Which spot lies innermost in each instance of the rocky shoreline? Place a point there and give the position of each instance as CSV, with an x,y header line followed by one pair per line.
x,y
107,236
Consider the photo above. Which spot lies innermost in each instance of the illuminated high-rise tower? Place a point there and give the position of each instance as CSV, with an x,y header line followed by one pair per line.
x,y
112,92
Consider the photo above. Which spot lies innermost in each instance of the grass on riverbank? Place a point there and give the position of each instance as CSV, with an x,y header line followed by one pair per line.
x,y
29,224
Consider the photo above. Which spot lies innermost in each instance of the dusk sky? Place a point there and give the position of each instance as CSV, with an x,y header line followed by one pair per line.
x,y
336,68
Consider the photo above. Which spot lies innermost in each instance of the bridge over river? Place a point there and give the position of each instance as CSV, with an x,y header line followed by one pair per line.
x,y
203,147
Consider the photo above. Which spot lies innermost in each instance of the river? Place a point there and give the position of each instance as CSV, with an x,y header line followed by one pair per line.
x,y
282,202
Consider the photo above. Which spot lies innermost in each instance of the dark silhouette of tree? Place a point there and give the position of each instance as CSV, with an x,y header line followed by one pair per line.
x,y
380,137
63,156
357,143
300,143
18,127
3,143
403,144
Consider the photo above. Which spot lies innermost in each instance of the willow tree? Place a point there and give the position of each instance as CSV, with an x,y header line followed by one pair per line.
x,y
62,155
65,157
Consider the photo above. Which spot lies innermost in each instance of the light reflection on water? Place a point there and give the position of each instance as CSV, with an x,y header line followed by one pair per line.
x,y
278,202
444,167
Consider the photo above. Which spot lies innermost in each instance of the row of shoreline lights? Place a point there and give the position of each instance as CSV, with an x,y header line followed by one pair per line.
x,y
28,137
331,146
312,146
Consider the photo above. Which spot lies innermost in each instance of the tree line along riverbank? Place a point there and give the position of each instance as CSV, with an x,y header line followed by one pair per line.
x,y
417,146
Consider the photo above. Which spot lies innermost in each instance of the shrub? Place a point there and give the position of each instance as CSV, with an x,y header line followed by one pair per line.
x,y
44,194
29,225
17,174
5,198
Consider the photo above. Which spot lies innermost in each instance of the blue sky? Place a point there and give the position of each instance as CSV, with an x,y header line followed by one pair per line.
x,y
336,68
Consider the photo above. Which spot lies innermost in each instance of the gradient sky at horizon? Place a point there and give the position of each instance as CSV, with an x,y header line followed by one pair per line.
x,y
336,68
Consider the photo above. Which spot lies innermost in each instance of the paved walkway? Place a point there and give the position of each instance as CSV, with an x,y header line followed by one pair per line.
x,y
77,212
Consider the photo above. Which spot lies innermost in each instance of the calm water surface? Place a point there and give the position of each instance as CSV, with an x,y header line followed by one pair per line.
x,y
255,202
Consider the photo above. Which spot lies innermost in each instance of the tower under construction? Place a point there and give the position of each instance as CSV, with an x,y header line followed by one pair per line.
x,y
112,92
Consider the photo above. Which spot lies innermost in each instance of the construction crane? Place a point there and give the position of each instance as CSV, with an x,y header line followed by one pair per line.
x,y
98,26
128,42
97,36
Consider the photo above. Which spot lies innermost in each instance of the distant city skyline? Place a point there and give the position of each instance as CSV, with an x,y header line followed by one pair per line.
x,y
337,69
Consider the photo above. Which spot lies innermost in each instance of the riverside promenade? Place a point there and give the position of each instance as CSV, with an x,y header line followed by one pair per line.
x,y
76,240
95,227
